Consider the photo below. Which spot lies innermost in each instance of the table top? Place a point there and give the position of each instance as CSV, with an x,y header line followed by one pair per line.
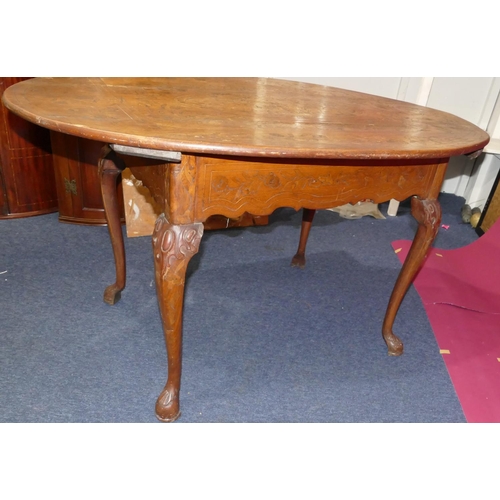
x,y
257,117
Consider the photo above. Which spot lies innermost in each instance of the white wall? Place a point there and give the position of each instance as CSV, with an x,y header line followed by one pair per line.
x,y
471,98
385,87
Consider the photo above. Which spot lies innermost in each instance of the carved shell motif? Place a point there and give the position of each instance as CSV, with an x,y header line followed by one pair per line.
x,y
174,245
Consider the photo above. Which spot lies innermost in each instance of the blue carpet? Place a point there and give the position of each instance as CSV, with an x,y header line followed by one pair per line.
x,y
263,342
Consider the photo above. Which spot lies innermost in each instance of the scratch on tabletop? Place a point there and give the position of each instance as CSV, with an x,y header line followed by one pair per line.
x,y
126,113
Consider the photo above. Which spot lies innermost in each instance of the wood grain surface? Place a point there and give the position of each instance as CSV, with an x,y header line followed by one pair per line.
x,y
242,116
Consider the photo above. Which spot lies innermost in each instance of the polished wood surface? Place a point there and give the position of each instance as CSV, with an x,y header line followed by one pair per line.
x,y
253,145
242,116
27,184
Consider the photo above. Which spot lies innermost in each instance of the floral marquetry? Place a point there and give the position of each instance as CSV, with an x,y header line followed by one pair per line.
x,y
233,187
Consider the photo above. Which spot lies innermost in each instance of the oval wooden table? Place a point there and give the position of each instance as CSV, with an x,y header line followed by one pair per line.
x,y
235,145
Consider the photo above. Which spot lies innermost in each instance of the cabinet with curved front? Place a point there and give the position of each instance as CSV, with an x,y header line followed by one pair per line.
x,y
27,182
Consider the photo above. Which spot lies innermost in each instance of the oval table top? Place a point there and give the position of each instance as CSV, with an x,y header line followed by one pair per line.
x,y
242,116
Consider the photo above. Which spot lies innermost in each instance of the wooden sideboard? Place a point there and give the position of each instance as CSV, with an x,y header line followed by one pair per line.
x,y
27,183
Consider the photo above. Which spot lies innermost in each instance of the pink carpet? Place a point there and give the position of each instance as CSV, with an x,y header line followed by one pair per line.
x,y
460,290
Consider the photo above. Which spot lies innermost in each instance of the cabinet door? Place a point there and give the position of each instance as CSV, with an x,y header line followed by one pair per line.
x,y
78,186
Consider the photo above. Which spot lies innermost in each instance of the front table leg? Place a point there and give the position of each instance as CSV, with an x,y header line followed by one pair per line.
x,y
428,215
173,247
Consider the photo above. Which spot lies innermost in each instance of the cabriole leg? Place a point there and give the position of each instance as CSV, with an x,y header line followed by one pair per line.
x,y
173,247
299,260
110,167
428,215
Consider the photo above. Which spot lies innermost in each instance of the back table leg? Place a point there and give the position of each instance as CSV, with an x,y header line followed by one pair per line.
x,y
110,166
299,260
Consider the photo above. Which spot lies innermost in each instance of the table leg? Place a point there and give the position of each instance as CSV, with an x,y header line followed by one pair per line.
x,y
428,215
173,247
110,166
299,260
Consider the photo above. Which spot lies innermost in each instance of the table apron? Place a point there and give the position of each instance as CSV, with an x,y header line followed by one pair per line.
x,y
230,188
